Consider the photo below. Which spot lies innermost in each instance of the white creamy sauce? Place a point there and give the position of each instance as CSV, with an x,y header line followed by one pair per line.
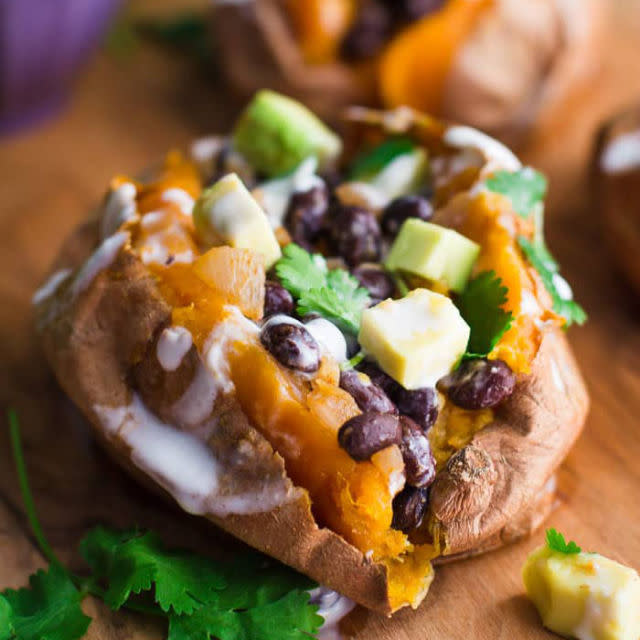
x,y
445,168
276,194
173,345
234,328
197,402
529,304
556,376
181,198
328,336
119,207
203,150
306,357
562,287
183,464
152,219
333,607
50,286
622,154
362,194
100,260
497,155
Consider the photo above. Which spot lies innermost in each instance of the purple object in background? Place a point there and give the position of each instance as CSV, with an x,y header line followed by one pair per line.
x,y
43,43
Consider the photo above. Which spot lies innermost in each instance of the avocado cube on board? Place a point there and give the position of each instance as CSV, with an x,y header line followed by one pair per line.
x,y
227,214
276,133
417,339
433,252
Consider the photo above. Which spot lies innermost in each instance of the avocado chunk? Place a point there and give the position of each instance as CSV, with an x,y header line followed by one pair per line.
x,y
417,339
433,252
276,133
227,214
584,595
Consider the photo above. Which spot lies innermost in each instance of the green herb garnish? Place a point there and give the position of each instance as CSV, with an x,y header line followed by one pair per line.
x,y
525,188
542,261
556,541
333,293
481,306
371,162
200,598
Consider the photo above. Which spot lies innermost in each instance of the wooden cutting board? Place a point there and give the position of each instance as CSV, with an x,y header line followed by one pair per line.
x,y
124,115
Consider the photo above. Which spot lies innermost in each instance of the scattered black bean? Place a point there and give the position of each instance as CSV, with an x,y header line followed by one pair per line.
x,y
291,344
376,280
355,235
419,404
404,208
409,508
368,34
277,299
479,383
379,377
419,463
306,214
368,395
368,433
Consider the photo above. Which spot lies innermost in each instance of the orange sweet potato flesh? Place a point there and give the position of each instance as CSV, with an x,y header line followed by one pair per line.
x,y
414,67
320,26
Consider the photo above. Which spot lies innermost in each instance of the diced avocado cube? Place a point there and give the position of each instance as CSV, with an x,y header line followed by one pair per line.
x,y
276,134
226,213
433,252
584,595
417,339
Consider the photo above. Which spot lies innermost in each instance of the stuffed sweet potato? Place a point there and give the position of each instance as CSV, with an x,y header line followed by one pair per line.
x,y
351,359
500,65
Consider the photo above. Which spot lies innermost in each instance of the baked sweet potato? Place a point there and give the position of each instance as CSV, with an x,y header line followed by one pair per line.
x,y
498,65
172,375
616,179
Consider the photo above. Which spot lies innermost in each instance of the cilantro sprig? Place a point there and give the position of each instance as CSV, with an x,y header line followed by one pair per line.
x,y
372,161
252,598
481,305
333,293
525,188
556,541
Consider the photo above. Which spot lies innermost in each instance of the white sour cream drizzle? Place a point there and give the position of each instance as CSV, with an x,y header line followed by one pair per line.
x,y
173,345
622,154
180,197
119,207
100,260
498,156
328,336
333,607
50,286
183,464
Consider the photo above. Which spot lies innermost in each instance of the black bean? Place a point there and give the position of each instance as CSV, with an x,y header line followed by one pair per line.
x,y
379,377
404,208
355,235
376,280
419,463
409,10
291,344
368,34
479,383
368,433
419,404
277,299
368,395
409,508
306,214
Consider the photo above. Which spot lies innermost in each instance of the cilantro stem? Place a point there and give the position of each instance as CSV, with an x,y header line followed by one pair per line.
x,y
353,362
25,490
401,285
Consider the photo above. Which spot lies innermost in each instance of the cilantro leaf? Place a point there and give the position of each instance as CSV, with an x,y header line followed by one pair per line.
x,y
481,305
372,161
132,562
335,294
49,609
560,292
556,541
288,618
6,627
525,188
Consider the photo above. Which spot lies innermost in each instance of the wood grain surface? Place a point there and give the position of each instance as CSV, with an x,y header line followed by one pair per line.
x,y
123,116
